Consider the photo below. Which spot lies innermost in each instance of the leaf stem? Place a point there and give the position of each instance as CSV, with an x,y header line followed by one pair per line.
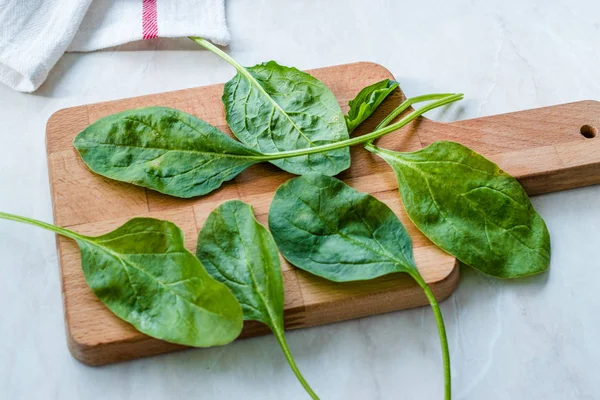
x,y
442,333
288,355
239,68
442,99
211,47
407,103
41,224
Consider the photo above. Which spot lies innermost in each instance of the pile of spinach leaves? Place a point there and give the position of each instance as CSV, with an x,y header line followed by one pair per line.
x,y
142,272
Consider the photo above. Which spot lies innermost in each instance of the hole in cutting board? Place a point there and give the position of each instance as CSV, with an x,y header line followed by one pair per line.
x,y
588,131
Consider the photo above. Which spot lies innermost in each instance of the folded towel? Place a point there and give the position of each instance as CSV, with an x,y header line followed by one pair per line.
x,y
34,34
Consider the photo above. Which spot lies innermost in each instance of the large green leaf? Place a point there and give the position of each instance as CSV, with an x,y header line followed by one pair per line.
x,y
471,209
143,273
163,149
241,253
273,108
366,102
331,230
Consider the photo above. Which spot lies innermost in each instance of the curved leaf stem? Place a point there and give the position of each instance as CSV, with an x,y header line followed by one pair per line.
x,y
41,224
409,102
239,68
442,333
288,355
211,47
369,137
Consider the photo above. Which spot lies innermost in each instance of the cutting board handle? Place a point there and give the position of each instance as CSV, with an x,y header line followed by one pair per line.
x,y
548,149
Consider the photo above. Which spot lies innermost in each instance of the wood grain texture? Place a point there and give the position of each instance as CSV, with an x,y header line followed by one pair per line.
x,y
543,148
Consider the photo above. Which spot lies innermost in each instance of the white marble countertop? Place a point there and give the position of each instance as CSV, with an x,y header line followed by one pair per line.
x,y
529,339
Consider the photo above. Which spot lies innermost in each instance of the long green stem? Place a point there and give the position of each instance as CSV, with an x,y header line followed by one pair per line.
x,y
442,333
41,224
288,355
369,137
409,102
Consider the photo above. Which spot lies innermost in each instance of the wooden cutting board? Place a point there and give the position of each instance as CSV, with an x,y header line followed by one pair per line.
x,y
546,149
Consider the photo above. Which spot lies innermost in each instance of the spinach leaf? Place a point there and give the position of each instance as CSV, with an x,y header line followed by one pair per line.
x,y
329,229
367,101
470,208
163,149
274,108
142,272
241,253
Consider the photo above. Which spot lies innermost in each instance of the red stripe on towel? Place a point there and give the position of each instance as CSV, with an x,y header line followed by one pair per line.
x,y
149,20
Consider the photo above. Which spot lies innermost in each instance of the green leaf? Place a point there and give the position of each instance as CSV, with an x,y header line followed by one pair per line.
x,y
241,253
471,209
329,229
273,108
366,102
142,272
163,149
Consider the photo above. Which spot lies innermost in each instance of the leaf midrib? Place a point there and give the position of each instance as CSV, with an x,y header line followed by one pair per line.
x,y
253,81
424,175
253,279
204,153
276,105
349,238
218,155
164,285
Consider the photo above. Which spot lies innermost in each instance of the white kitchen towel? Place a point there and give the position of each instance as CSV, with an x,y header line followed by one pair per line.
x,y
34,34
